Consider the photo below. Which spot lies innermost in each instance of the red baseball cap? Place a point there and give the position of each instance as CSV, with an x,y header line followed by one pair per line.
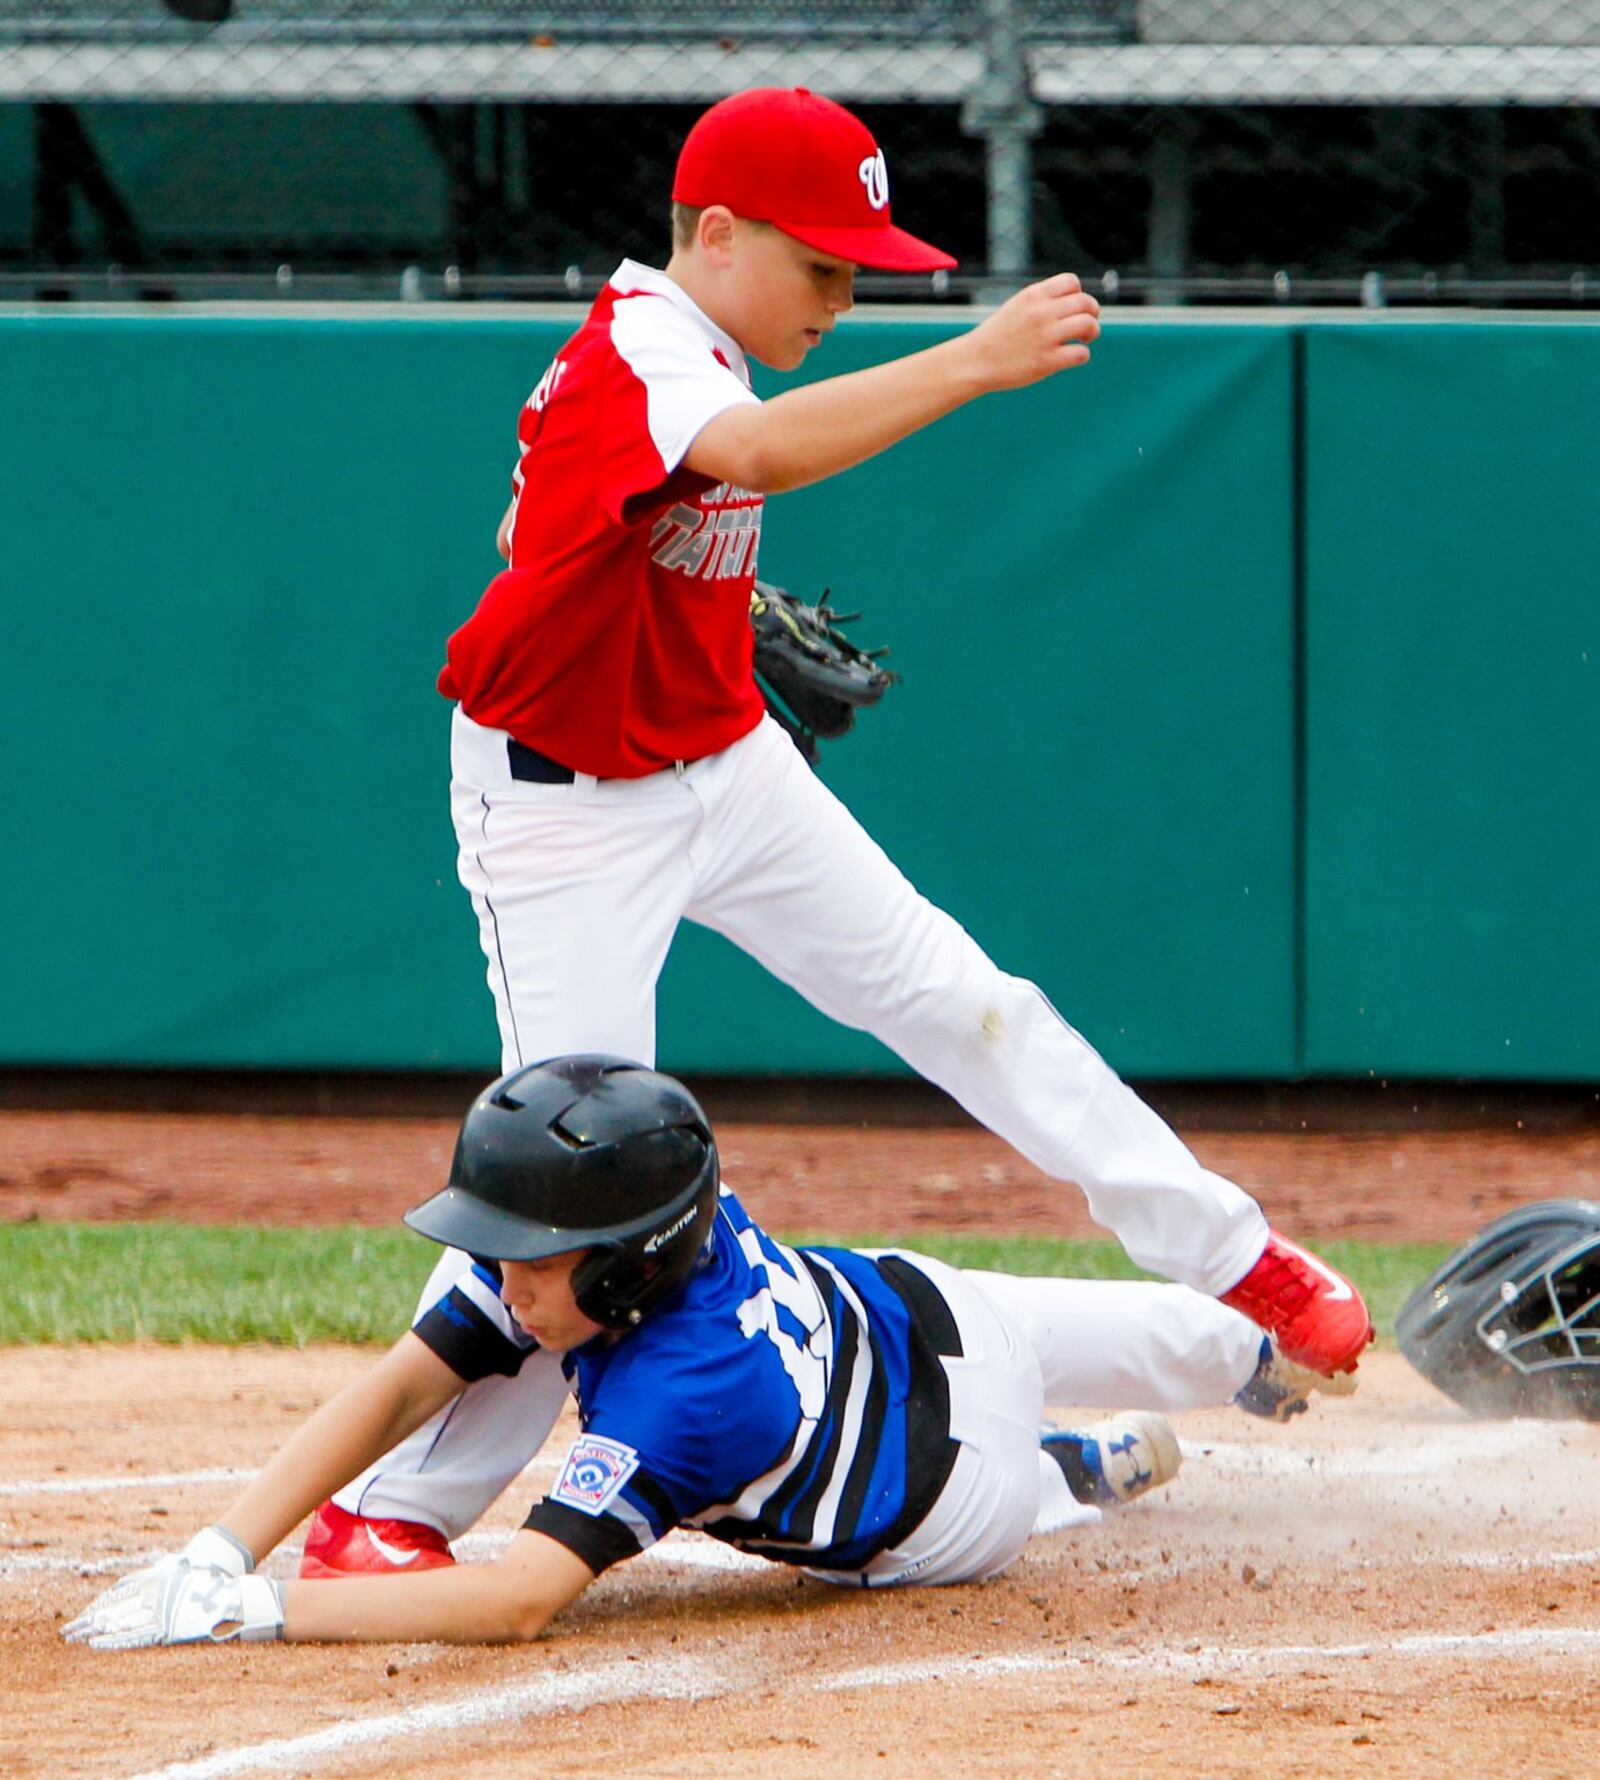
x,y
789,157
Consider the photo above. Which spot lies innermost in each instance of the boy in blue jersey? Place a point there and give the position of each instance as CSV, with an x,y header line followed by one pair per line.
x,y
872,1417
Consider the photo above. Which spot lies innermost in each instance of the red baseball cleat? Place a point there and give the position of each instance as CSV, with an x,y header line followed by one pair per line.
x,y
1314,1313
342,1544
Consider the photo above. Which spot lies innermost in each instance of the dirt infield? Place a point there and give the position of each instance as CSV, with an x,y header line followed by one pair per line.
x,y
1383,1186
1382,1587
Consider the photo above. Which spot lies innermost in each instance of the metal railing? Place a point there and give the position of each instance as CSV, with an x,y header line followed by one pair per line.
x,y
1175,150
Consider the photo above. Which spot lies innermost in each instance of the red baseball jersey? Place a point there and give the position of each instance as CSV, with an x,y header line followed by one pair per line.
x,y
618,640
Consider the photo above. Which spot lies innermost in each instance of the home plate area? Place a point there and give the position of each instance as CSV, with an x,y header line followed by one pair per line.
x,y
1381,1580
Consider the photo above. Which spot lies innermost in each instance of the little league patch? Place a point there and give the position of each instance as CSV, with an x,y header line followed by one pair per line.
x,y
596,1468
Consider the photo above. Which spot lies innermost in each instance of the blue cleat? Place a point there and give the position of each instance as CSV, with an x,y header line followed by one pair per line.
x,y
1279,1389
1112,1462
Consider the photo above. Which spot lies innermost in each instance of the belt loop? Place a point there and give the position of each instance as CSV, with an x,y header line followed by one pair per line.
x,y
584,782
680,767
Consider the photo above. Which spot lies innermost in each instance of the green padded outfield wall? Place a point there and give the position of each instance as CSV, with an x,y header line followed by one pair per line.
x,y
1452,597
232,550
1087,586
234,546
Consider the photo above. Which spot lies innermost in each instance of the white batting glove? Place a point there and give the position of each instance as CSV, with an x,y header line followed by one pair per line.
x,y
214,1549
188,1606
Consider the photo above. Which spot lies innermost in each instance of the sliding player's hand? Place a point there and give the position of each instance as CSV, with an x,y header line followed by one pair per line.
x,y
187,1606
215,1548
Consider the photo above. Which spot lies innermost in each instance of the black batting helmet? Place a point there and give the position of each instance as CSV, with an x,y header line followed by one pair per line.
x,y
1510,1324
585,1152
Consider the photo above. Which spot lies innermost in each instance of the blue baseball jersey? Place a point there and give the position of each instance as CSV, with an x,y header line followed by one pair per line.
x,y
789,1401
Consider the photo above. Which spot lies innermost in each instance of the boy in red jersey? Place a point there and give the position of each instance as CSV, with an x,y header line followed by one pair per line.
x,y
614,770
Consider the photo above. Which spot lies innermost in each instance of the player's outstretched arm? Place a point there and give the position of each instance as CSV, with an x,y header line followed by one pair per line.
x,y
499,1603
340,1440
186,1596
805,434
352,1429
511,1599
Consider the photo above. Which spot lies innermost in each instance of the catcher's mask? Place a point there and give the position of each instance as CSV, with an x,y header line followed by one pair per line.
x,y
585,1152
1510,1324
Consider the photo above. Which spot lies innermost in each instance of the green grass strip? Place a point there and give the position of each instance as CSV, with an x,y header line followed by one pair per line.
x,y
206,1283
289,1287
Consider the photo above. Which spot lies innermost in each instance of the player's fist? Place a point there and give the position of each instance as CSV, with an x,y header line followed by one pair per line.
x,y
1044,328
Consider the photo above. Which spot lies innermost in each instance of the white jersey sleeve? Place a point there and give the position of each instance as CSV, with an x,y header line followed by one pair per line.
x,y
686,381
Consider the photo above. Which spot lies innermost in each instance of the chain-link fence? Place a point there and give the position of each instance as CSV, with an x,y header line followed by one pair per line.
x,y
1171,150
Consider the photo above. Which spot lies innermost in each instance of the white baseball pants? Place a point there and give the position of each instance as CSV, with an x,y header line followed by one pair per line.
x,y
1026,1343
579,889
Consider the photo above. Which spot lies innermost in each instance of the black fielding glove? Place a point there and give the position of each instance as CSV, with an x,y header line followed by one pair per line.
x,y
812,676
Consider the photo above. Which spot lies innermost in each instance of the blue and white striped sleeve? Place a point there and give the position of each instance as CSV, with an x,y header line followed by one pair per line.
x,y
471,1330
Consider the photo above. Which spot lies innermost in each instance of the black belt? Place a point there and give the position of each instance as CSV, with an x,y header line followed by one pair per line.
x,y
534,768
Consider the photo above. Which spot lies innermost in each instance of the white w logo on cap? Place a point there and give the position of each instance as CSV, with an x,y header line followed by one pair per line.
x,y
874,175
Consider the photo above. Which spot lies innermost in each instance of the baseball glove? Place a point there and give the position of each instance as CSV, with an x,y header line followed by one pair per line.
x,y
812,676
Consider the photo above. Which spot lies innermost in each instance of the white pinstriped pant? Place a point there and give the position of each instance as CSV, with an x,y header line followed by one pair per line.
x,y
579,889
